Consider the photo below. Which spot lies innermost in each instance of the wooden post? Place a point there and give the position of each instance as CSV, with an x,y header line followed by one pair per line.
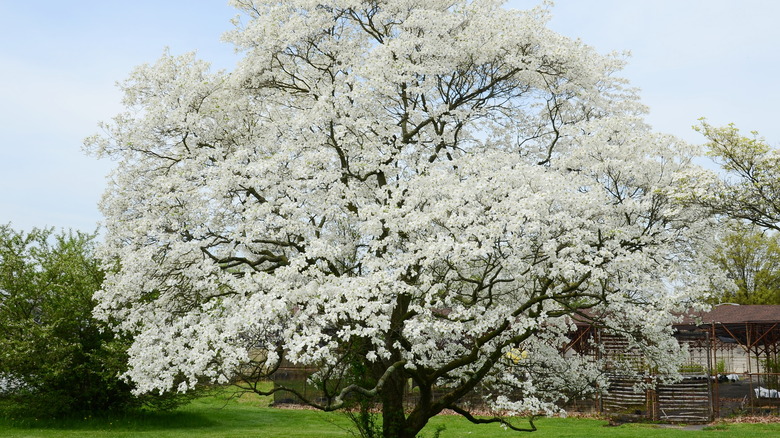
x,y
708,342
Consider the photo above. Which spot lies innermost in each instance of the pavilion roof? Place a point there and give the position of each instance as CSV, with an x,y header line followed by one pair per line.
x,y
736,314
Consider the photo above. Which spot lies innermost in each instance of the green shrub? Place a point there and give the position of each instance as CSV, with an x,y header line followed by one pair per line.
x,y
692,368
55,358
772,366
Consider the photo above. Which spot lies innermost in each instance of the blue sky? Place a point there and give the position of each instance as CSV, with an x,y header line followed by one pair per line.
x,y
59,62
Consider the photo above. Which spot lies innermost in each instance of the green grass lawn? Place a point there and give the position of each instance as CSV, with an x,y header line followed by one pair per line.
x,y
217,416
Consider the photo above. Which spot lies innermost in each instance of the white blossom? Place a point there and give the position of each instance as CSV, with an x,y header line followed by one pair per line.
x,y
429,183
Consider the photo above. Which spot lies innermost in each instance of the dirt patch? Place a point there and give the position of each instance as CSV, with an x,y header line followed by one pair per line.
x,y
684,426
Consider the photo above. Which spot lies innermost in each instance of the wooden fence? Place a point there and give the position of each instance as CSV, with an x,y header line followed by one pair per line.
x,y
688,401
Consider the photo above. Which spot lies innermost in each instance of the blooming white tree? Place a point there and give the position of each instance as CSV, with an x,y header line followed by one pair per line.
x,y
394,192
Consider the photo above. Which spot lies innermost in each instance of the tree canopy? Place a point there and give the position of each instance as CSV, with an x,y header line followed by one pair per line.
x,y
751,189
410,188
748,193
752,260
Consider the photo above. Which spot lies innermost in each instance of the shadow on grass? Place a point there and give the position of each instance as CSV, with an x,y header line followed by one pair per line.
x,y
130,421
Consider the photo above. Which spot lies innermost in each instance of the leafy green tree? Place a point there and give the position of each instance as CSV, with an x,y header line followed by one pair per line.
x,y
55,359
752,260
749,192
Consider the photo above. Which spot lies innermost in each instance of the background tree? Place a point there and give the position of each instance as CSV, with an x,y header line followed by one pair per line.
x,y
421,186
751,259
56,358
749,193
751,189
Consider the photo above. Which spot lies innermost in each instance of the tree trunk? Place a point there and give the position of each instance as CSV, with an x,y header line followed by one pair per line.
x,y
393,416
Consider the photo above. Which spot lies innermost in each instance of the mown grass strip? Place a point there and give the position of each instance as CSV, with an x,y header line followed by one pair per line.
x,y
249,417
